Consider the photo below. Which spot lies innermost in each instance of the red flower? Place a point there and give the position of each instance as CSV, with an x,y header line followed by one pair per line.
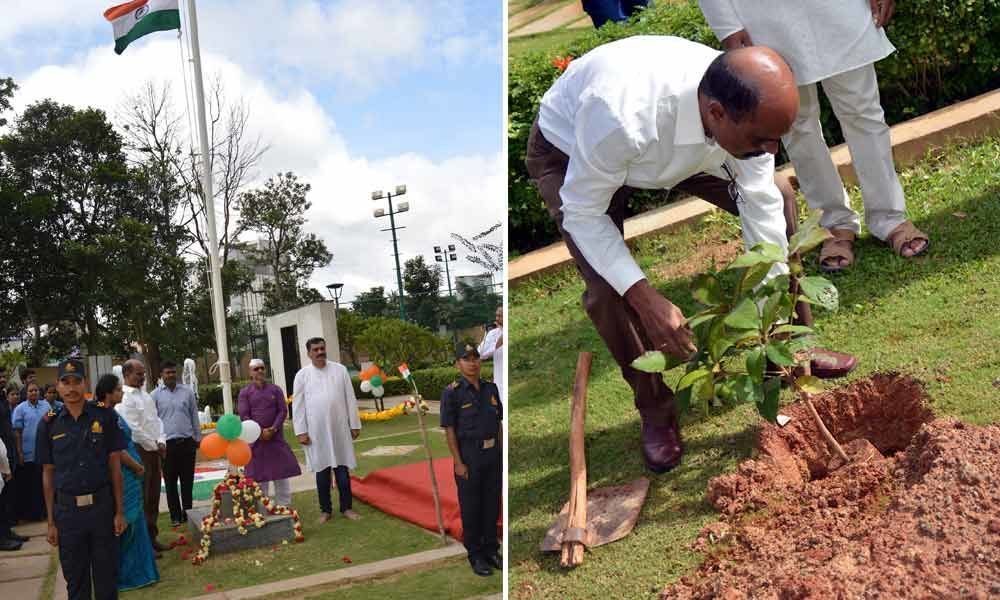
x,y
347,559
181,541
185,555
561,62
209,587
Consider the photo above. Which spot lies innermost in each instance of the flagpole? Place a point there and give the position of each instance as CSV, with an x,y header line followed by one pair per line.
x,y
218,308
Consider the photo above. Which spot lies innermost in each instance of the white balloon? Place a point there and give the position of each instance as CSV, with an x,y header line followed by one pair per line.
x,y
366,386
251,431
378,392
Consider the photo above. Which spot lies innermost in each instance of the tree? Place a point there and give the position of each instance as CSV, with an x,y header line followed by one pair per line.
x,y
421,282
486,254
372,303
477,305
276,213
7,87
390,342
350,326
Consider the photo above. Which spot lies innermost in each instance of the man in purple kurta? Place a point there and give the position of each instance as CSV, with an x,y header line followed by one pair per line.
x,y
272,463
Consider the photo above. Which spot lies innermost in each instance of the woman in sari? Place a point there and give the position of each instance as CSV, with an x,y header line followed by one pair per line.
x,y
136,558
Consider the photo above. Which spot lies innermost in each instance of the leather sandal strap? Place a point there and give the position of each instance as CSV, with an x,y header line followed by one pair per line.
x,y
841,245
903,234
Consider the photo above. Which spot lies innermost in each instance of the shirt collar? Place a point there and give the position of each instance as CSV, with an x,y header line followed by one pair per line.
x,y
690,130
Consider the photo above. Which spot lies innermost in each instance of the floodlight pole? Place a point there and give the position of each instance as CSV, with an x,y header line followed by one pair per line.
x,y
377,195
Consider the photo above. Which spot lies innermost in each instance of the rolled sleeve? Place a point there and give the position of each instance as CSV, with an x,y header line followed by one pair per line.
x,y
598,166
722,17
448,416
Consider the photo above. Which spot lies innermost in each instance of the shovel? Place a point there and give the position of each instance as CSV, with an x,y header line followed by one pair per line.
x,y
603,515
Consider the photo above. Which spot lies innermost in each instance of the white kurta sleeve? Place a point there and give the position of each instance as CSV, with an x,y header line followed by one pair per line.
x,y
489,344
299,416
762,211
598,165
722,17
351,400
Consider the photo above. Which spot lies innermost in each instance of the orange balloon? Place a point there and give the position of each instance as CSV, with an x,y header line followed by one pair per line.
x,y
238,453
214,445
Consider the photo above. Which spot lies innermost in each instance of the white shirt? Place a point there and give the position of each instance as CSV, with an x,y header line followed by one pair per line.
x,y
488,349
4,464
626,113
139,411
817,38
324,407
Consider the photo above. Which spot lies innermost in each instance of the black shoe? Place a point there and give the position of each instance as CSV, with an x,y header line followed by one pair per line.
x,y
479,567
8,545
495,561
17,538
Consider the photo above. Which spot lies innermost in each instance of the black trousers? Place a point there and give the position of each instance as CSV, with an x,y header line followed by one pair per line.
x,y
323,483
179,465
8,507
88,548
30,501
479,498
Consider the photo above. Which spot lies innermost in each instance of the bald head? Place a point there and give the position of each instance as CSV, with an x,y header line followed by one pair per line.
x,y
133,372
749,99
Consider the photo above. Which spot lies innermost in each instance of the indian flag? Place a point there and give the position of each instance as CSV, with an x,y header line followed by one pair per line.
x,y
134,19
404,370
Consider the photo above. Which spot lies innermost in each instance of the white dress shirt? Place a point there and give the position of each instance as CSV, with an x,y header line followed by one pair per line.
x,y
488,349
139,411
626,114
817,38
324,407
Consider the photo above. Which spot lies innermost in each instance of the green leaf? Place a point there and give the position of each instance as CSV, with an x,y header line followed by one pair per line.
x,y
820,291
772,251
792,329
780,354
809,384
700,318
704,392
718,347
750,259
756,364
692,377
744,389
682,400
706,289
744,316
768,407
651,362
805,240
769,314
753,276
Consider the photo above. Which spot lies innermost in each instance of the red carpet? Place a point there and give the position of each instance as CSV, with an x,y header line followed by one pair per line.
x,y
404,491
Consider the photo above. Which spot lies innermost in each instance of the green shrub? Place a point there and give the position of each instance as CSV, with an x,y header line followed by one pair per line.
x,y
211,395
391,342
431,382
948,51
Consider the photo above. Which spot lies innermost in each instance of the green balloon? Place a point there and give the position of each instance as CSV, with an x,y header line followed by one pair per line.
x,y
229,426
376,381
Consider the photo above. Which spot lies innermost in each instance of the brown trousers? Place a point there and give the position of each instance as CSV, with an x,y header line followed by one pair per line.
x,y
151,490
618,325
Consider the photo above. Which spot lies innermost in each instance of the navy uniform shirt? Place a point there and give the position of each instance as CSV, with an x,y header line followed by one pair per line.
x,y
474,415
79,448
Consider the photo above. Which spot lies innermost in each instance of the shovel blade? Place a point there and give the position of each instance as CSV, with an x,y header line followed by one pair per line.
x,y
611,514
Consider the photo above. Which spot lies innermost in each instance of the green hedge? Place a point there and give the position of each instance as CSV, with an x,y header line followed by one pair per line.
x,y
431,383
948,51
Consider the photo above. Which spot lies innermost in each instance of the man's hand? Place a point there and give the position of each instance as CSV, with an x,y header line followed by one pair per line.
x,y
120,523
139,470
304,439
53,535
267,433
741,39
882,11
20,460
7,476
663,322
461,470
355,433
500,341
161,449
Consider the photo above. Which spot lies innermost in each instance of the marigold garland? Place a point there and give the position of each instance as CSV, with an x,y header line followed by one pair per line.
x,y
242,489
383,415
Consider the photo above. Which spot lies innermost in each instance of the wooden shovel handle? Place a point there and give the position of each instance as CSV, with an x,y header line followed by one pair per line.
x,y
572,552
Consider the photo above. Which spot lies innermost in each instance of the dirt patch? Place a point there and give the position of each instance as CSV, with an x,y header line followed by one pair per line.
x,y
708,253
916,515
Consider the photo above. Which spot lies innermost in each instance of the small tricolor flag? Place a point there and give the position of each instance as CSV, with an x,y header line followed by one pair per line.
x,y
404,370
134,19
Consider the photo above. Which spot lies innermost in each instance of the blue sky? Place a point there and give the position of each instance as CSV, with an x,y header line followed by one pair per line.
x,y
351,95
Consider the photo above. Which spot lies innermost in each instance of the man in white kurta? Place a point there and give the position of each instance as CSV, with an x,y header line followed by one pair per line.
x,y
326,421
836,44
492,347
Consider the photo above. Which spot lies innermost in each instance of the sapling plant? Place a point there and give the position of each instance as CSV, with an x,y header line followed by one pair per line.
x,y
739,331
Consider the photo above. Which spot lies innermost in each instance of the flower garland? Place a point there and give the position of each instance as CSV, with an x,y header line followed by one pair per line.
x,y
383,415
245,491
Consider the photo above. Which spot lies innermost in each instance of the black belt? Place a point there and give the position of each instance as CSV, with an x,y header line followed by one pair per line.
x,y
480,443
95,498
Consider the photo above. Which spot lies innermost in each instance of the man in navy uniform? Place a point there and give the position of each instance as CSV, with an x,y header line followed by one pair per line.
x,y
80,449
470,415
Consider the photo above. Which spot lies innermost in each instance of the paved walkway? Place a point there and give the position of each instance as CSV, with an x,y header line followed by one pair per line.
x,y
22,573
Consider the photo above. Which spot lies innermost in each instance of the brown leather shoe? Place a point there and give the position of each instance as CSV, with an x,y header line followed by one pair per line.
x,y
661,446
827,364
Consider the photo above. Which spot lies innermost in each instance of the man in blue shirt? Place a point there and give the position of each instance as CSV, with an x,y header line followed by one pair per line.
x,y
178,409
27,415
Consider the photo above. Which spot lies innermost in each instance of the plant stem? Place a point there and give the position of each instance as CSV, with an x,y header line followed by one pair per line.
x,y
804,395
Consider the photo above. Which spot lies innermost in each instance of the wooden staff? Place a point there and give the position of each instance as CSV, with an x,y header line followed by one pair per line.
x,y
576,522
430,465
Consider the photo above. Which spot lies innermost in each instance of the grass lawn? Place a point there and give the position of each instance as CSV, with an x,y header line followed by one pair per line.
x,y
932,317
453,580
375,537
549,41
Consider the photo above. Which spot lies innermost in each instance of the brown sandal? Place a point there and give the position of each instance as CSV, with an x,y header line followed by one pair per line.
x,y
841,245
905,233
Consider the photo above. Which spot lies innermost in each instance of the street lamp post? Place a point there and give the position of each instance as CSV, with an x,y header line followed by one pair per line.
x,y
335,290
380,212
446,256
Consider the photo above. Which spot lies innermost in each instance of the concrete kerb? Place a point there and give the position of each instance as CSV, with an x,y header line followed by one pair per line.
x,y
970,119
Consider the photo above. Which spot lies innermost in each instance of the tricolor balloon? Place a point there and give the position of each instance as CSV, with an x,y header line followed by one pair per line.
x,y
372,379
232,439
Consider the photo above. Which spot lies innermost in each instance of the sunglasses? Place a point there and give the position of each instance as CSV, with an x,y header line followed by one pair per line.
x,y
257,369
734,188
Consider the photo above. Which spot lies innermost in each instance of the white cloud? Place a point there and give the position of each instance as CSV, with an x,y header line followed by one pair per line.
x,y
461,194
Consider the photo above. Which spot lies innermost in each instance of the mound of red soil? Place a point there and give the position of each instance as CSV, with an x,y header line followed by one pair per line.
x,y
918,518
